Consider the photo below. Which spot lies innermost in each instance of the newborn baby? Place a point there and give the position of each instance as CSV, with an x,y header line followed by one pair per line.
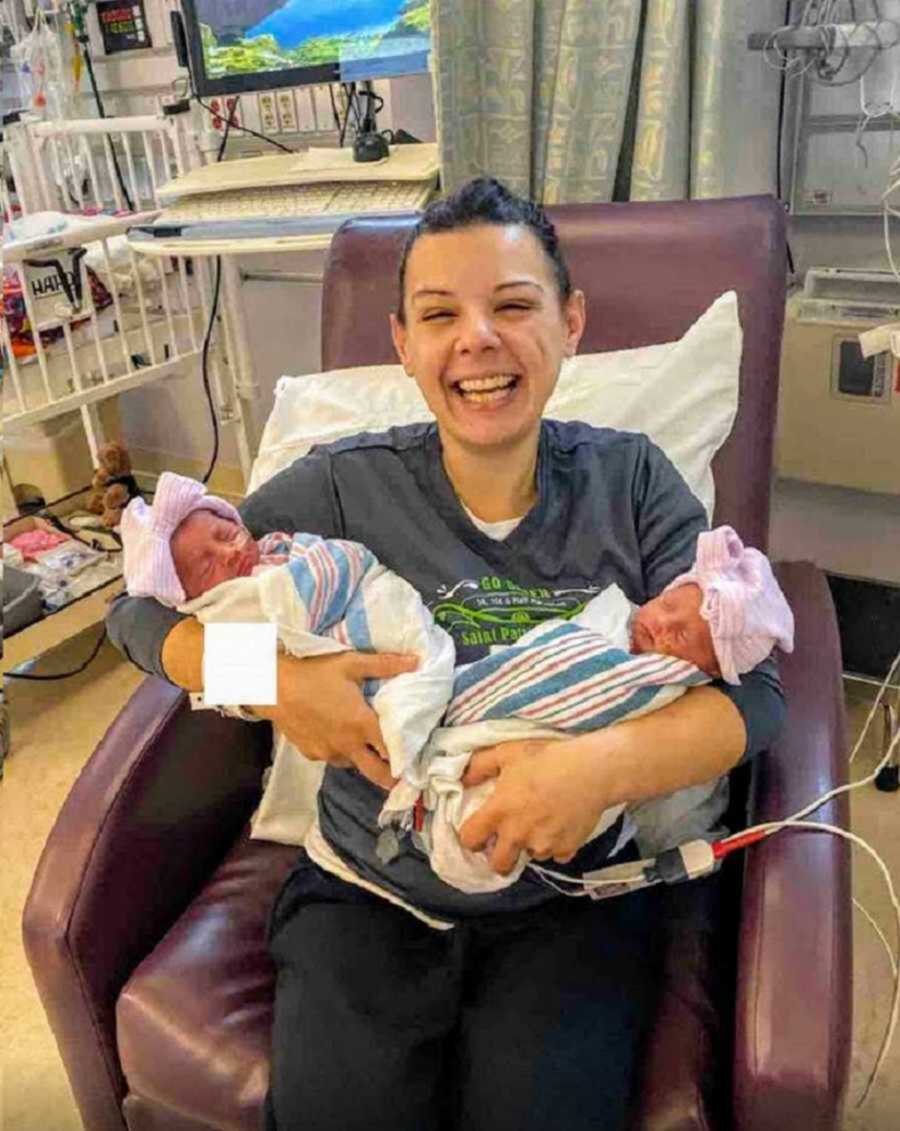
x,y
721,618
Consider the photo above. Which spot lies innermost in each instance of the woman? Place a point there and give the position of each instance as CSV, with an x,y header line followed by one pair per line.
x,y
401,1003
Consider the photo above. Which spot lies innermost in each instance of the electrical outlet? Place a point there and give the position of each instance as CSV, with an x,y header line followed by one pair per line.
x,y
232,111
287,111
268,115
249,113
306,114
324,112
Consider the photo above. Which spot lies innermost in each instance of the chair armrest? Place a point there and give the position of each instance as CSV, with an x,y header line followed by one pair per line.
x,y
794,999
159,803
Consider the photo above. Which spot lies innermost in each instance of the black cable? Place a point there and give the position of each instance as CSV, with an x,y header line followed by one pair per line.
x,y
244,129
229,125
336,114
353,97
205,367
346,122
93,543
779,130
89,63
213,311
62,675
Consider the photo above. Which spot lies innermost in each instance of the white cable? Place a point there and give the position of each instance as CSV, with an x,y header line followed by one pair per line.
x,y
546,872
817,826
878,931
884,686
640,880
845,788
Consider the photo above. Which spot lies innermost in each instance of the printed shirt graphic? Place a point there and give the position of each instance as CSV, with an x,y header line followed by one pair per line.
x,y
493,611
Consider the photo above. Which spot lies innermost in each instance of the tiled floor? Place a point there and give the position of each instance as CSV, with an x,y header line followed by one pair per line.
x,y
57,725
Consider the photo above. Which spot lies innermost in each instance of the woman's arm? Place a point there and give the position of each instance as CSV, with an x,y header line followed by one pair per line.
x,y
139,628
182,654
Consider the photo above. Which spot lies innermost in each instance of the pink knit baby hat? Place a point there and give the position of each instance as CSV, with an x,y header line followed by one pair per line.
x,y
148,566
742,602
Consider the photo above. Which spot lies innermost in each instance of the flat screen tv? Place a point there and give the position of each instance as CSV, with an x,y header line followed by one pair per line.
x,y
244,45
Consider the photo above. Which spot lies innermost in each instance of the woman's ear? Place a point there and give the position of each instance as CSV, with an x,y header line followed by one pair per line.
x,y
575,319
398,334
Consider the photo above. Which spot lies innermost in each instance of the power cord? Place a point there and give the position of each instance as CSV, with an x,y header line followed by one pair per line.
x,y
779,141
243,129
76,11
62,675
214,308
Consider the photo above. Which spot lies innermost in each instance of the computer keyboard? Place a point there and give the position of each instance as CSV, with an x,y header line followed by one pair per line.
x,y
267,201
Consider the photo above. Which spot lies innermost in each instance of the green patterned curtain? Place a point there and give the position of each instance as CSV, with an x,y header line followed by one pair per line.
x,y
567,100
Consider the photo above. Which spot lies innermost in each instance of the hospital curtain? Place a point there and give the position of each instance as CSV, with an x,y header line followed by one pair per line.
x,y
588,100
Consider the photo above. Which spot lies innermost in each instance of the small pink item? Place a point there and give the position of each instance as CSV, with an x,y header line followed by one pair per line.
x,y
146,531
743,604
33,542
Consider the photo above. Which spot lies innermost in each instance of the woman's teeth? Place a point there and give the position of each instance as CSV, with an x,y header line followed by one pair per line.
x,y
483,390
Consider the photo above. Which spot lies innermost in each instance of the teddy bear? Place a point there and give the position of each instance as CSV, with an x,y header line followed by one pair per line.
x,y
113,485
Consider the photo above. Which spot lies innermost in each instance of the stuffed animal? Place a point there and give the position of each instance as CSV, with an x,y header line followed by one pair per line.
x,y
113,485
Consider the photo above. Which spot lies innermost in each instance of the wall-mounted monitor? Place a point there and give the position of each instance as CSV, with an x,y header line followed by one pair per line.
x,y
244,45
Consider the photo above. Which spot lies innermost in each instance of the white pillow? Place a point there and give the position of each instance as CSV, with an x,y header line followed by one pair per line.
x,y
682,394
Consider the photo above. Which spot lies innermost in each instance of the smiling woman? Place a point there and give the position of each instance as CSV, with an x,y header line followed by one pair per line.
x,y
401,1002
486,315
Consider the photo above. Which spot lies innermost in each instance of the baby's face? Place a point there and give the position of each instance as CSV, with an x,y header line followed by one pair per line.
x,y
208,550
672,624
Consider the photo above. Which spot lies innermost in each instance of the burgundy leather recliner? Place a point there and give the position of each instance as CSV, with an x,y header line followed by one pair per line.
x,y
145,923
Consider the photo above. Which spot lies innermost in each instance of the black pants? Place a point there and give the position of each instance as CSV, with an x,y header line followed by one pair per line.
x,y
517,1022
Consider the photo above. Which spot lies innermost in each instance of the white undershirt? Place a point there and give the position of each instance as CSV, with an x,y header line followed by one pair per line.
x,y
496,530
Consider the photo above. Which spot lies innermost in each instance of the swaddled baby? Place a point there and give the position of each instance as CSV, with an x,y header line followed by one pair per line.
x,y
718,620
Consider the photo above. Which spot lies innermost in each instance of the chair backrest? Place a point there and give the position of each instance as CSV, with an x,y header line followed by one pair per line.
x,y
648,271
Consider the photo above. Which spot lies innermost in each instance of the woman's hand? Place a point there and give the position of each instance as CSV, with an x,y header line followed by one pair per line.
x,y
548,798
321,709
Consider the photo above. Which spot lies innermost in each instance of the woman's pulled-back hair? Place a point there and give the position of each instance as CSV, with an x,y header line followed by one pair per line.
x,y
484,200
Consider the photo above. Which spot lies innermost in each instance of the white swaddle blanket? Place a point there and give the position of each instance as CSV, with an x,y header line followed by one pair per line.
x,y
558,679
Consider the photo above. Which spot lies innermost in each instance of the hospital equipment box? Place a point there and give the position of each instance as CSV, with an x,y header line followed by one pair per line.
x,y
839,413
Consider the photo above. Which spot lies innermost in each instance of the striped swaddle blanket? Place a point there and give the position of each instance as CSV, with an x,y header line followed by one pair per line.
x,y
565,676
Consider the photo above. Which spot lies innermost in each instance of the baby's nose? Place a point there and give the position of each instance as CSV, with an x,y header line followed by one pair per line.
x,y
231,551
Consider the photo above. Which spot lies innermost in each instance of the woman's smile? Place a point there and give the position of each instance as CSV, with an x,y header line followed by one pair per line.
x,y
486,392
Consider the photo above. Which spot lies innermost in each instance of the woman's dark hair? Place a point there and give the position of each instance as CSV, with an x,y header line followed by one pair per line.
x,y
485,200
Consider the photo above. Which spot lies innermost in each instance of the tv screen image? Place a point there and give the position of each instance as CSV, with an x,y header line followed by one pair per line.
x,y
336,39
